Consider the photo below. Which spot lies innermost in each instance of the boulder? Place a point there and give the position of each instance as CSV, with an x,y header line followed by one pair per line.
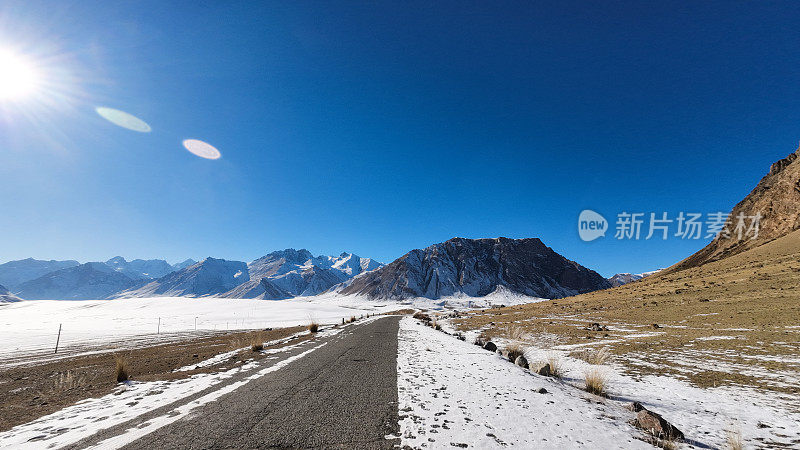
x,y
490,346
656,425
521,361
545,370
635,407
542,391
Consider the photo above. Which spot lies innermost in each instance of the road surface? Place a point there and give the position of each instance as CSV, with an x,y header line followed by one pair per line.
x,y
342,394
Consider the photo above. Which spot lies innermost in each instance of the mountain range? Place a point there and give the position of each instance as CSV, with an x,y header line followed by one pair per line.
x,y
624,278
278,275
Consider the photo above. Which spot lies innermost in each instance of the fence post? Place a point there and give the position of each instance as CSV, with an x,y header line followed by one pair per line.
x,y
58,339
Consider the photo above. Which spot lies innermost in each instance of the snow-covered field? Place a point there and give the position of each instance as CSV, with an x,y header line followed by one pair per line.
x,y
453,393
29,329
707,416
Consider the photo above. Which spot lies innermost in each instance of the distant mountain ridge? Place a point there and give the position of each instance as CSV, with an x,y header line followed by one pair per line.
x,y
624,278
92,280
14,273
477,267
279,275
208,277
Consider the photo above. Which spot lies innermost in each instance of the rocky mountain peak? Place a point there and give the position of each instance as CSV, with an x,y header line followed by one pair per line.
x,y
775,198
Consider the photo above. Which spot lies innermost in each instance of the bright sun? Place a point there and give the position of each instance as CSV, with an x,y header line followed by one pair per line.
x,y
18,77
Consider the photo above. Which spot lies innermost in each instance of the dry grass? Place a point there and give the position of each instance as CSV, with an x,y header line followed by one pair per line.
x,y
121,370
513,351
733,440
516,333
313,327
257,342
419,315
664,443
556,368
67,380
352,319
596,357
731,312
596,381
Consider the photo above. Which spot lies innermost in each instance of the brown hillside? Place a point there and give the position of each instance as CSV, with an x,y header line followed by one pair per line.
x,y
776,198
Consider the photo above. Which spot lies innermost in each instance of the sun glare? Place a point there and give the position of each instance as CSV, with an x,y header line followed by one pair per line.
x,y
18,77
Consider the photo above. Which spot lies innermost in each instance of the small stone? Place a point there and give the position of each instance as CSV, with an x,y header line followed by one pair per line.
x,y
521,361
490,346
542,391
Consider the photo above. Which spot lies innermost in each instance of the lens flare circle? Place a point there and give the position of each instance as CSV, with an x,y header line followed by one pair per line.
x,y
202,149
123,119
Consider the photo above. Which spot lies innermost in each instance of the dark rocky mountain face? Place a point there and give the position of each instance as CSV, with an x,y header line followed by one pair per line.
x,y
477,267
776,198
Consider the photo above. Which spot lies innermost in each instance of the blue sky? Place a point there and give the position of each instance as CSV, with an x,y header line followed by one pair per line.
x,y
378,127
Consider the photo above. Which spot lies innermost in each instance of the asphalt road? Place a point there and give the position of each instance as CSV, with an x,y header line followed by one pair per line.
x,y
341,395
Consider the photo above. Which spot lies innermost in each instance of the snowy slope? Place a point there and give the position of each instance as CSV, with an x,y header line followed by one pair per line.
x,y
476,267
209,277
14,273
453,393
7,297
291,273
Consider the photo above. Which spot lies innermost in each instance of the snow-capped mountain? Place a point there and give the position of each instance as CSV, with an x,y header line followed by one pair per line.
x,y
93,280
7,297
14,273
625,278
140,269
184,264
209,277
291,273
477,267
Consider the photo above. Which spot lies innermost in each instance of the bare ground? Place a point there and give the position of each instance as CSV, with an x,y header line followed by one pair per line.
x,y
39,388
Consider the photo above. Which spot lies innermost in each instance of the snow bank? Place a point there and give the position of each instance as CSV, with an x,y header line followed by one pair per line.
x,y
452,393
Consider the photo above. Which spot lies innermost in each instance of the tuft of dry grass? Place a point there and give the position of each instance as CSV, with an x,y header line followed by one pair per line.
x,y
556,368
513,351
67,380
733,440
257,342
352,319
596,381
313,327
516,333
121,370
596,357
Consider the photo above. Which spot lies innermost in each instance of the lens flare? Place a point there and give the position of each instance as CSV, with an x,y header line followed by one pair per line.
x,y
202,149
18,76
123,119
